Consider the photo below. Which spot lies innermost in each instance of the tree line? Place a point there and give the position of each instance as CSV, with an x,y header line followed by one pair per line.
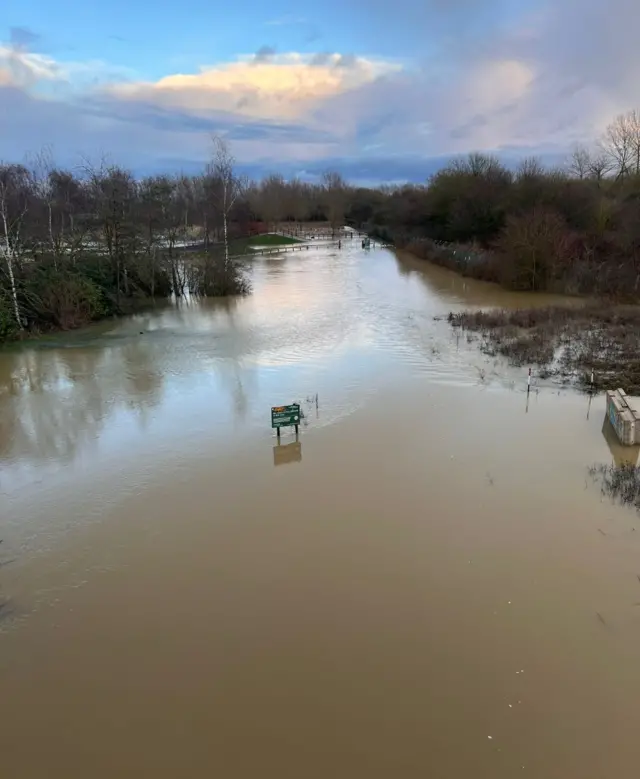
x,y
573,228
78,245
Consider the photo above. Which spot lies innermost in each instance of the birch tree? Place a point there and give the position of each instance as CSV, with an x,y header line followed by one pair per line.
x,y
227,187
15,190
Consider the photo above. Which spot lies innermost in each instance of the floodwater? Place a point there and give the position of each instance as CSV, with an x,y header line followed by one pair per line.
x,y
426,584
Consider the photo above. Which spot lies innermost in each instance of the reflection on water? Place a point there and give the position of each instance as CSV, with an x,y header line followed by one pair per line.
x,y
284,454
56,401
453,288
622,455
435,589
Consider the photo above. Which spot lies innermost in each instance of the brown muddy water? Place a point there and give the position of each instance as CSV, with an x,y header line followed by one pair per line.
x,y
426,585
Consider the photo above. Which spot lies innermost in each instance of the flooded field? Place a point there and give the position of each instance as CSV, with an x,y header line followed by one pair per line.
x,y
426,584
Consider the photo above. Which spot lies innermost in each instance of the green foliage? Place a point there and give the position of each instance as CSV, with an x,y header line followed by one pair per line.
x,y
62,299
8,325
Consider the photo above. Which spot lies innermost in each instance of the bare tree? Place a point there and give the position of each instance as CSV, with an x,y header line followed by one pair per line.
x,y
115,197
202,206
272,200
481,165
634,128
530,168
71,199
228,188
599,165
618,143
335,197
536,246
186,197
580,162
300,200
15,192
43,183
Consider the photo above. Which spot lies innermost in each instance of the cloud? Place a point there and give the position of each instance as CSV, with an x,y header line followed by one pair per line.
x,y
268,86
29,69
6,78
264,54
26,68
532,81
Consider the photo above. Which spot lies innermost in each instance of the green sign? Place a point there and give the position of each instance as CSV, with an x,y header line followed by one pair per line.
x,y
285,416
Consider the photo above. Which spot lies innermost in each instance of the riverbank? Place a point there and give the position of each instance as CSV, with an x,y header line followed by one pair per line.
x,y
529,264
586,343
593,345
65,295
468,260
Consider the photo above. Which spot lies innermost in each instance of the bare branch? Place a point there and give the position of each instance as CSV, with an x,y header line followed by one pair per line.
x,y
580,162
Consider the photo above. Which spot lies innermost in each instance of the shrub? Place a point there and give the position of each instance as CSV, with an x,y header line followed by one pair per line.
x,y
209,277
63,299
8,325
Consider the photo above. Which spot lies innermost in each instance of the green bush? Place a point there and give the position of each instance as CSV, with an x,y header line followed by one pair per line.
x,y
62,299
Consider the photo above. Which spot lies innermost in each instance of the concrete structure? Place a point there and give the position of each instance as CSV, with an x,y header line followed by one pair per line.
x,y
623,413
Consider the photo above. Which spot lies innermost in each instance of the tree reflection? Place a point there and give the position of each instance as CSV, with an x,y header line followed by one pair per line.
x,y
57,401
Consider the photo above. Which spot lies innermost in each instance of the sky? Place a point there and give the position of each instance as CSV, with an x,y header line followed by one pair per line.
x,y
381,91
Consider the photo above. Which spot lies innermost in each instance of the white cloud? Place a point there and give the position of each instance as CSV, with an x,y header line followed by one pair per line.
x,y
284,87
22,68
541,81
28,70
